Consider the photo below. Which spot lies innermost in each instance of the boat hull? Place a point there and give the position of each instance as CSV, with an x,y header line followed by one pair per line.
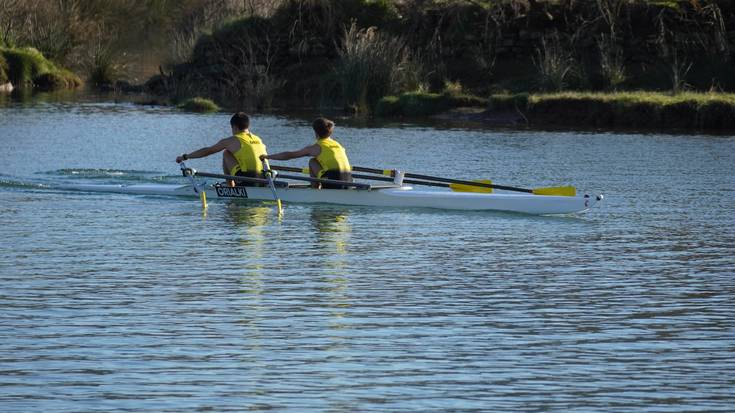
x,y
406,197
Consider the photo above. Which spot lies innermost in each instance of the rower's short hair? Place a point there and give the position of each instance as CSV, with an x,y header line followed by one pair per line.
x,y
323,127
240,120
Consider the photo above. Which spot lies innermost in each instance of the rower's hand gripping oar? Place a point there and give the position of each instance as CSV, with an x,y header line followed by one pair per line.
x,y
188,172
269,174
464,186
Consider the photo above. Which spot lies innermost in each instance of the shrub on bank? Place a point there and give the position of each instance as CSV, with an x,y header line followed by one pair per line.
x,y
424,104
200,105
27,66
61,79
103,70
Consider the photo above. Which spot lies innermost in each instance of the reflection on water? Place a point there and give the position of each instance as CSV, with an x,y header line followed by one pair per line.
x,y
333,232
333,228
249,246
120,303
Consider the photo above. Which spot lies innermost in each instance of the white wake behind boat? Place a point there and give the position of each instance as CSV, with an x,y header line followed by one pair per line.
x,y
377,196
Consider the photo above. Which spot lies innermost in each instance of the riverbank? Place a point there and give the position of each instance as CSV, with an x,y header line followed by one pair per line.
x,y
643,110
310,55
574,110
27,67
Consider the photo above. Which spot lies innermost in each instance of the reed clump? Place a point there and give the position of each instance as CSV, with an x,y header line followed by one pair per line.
x,y
199,105
103,67
372,65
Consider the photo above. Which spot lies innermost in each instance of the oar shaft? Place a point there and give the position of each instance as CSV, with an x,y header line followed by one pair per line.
x,y
446,180
319,180
325,181
279,184
287,168
369,170
405,181
370,177
470,183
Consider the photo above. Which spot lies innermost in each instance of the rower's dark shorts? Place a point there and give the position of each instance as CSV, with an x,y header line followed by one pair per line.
x,y
338,176
248,174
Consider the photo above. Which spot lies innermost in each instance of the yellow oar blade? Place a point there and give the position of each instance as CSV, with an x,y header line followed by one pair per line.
x,y
280,207
203,197
558,191
472,188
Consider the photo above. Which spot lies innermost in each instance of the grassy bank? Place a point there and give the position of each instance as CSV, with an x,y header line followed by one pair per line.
x,y
616,110
27,67
372,56
647,110
424,104
396,57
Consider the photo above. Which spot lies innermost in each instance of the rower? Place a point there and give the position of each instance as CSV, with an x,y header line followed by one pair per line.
x,y
242,151
329,159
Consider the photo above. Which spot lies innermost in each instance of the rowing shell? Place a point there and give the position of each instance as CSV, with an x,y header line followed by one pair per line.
x,y
404,196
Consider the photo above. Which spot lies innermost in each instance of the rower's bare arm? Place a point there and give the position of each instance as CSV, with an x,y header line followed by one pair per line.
x,y
206,151
284,156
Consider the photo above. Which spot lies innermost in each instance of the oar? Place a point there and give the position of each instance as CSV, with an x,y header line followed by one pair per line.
x,y
305,171
374,178
460,184
188,172
269,175
279,184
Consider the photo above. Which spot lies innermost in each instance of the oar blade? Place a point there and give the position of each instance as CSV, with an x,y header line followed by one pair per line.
x,y
557,191
472,188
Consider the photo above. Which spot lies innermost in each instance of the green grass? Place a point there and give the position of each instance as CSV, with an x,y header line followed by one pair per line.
x,y
709,111
657,98
200,105
424,104
25,64
60,79
621,110
28,67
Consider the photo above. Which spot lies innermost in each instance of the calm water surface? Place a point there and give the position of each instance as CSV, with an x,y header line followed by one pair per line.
x,y
145,304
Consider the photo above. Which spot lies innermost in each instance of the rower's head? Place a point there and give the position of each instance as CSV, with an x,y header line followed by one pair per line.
x,y
239,122
323,127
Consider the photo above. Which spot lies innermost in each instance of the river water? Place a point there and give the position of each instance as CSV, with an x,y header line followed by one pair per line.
x,y
146,304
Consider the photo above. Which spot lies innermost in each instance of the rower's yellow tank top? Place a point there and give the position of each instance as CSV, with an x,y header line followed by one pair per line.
x,y
332,157
248,157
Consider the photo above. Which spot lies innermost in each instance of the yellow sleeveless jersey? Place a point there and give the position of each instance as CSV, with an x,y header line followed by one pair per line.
x,y
248,157
332,157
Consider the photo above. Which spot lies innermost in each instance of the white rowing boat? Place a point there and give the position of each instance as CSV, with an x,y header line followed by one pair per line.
x,y
383,196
